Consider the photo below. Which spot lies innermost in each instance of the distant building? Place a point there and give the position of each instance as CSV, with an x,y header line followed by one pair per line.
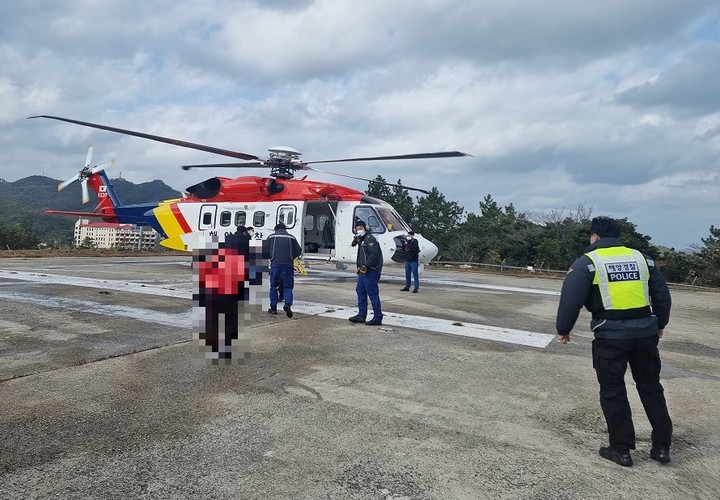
x,y
109,235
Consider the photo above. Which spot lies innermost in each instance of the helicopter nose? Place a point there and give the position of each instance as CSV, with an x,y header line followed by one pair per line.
x,y
429,250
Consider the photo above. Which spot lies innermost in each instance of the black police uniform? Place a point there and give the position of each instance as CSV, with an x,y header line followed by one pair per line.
x,y
622,337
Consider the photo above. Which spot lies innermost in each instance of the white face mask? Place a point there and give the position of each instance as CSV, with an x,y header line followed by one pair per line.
x,y
409,237
361,232
251,233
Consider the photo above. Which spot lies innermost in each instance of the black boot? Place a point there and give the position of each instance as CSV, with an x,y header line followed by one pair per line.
x,y
660,453
619,457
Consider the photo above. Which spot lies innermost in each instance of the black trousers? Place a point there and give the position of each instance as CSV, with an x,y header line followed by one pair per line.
x,y
214,306
610,360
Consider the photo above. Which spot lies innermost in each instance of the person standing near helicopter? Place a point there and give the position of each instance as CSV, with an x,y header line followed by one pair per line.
x,y
369,267
411,247
282,249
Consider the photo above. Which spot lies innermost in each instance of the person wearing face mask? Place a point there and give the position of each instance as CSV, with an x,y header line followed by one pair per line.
x,y
369,267
412,250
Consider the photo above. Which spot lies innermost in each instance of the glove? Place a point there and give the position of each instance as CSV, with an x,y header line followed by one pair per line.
x,y
354,241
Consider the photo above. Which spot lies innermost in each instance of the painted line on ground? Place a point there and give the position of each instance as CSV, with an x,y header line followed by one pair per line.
x,y
473,330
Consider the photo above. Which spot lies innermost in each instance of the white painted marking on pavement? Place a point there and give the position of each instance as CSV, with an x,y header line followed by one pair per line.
x,y
508,335
434,281
474,330
86,306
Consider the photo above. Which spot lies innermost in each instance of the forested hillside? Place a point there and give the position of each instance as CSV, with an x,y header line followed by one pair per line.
x,y
23,202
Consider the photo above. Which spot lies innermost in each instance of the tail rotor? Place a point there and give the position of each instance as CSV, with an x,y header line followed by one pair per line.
x,y
85,173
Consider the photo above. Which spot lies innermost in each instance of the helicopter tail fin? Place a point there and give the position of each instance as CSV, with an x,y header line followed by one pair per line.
x,y
107,199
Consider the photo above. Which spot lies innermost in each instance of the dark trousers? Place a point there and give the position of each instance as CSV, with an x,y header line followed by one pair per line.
x,y
411,268
214,306
610,360
284,273
367,286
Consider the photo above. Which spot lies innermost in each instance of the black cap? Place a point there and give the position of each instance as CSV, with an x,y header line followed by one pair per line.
x,y
412,233
279,225
358,222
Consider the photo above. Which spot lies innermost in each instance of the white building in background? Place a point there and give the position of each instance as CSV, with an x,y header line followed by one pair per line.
x,y
109,235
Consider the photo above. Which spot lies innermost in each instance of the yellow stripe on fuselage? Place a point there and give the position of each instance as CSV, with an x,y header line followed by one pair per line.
x,y
168,221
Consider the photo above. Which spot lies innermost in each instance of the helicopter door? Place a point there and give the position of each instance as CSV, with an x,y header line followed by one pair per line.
x,y
319,227
207,217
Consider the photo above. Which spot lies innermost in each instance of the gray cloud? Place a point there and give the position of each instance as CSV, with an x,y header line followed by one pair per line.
x,y
687,88
613,105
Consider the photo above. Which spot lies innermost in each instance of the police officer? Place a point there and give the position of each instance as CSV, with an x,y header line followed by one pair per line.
x,y
282,249
411,248
630,305
369,267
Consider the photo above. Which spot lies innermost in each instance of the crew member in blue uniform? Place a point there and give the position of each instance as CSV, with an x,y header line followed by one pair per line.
x,y
630,305
282,249
369,267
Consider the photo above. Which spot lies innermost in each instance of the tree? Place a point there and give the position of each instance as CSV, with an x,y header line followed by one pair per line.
x,y
17,236
708,266
397,196
88,242
403,203
379,189
435,217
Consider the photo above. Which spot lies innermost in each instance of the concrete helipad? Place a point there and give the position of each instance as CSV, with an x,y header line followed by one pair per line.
x,y
462,393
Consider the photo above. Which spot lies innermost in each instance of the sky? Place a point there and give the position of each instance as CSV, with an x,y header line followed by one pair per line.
x,y
563,104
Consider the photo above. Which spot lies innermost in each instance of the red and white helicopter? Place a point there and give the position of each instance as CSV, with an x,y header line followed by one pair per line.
x,y
319,214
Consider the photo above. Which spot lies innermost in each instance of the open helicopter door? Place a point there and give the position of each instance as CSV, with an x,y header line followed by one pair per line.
x,y
319,229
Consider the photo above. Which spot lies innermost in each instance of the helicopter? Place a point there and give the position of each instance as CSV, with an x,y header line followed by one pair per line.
x,y
321,215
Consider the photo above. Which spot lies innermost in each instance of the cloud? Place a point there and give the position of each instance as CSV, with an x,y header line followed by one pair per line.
x,y
687,88
560,102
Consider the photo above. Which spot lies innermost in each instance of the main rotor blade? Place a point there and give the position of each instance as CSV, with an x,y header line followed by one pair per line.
x,y
88,157
367,180
249,164
417,156
158,138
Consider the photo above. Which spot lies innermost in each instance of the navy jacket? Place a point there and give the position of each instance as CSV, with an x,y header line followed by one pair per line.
x,y
578,291
281,248
369,253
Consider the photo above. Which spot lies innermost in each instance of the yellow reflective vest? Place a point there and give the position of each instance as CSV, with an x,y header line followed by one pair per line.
x,y
621,275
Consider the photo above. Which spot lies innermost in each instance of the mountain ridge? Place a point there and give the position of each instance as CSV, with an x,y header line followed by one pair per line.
x,y
24,200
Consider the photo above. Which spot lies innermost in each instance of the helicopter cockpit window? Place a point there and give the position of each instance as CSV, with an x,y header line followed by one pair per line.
x,y
371,218
259,219
392,221
286,215
240,218
225,218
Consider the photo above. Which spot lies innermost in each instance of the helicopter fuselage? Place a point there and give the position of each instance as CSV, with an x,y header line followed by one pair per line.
x,y
320,215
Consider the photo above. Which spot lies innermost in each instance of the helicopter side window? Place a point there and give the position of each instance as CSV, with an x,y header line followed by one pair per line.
x,y
259,219
207,217
286,215
309,222
240,218
225,218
